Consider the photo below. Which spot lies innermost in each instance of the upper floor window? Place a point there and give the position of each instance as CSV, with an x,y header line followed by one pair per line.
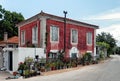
x,y
89,38
34,35
74,36
23,37
54,34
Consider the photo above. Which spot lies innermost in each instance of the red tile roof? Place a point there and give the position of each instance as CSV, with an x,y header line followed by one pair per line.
x,y
12,40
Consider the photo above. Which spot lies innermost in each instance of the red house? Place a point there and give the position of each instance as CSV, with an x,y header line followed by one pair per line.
x,y
47,31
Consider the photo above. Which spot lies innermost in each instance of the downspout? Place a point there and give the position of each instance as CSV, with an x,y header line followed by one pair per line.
x,y
65,12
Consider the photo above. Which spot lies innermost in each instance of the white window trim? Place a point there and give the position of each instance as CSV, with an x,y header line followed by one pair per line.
x,y
22,43
71,36
34,41
87,38
51,35
90,52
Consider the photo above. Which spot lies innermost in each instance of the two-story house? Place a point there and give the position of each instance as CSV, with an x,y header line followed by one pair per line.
x,y
53,34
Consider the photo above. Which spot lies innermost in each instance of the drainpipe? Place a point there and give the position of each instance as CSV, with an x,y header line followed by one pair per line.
x,y
65,12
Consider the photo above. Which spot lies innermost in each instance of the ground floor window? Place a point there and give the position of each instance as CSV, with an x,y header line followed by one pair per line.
x,y
74,55
52,55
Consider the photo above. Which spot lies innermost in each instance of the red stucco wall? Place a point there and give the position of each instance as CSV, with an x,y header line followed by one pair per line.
x,y
81,46
28,32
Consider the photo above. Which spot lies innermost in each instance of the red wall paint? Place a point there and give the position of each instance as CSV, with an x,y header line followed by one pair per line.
x,y
28,32
81,46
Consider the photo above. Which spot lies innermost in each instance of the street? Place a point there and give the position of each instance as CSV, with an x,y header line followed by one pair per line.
x,y
106,71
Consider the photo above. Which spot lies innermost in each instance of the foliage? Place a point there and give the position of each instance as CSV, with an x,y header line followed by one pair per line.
x,y
118,50
26,67
28,59
103,45
26,72
47,65
114,49
87,57
102,55
61,55
108,39
21,66
42,60
8,21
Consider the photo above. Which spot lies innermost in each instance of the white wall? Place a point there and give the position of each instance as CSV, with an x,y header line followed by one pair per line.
x,y
1,60
31,52
15,60
6,60
20,53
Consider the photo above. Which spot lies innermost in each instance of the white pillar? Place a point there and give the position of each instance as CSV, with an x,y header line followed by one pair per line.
x,y
95,42
42,32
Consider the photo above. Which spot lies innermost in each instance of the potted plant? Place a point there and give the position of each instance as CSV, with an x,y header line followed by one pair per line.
x,y
21,68
61,65
47,66
52,65
14,73
42,69
68,65
26,73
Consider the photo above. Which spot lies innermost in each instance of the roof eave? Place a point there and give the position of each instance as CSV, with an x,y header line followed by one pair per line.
x,y
46,14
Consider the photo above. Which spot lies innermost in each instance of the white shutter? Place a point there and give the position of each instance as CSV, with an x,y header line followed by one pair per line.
x,y
36,35
32,35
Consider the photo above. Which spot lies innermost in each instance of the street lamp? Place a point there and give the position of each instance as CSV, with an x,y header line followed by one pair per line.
x,y
65,12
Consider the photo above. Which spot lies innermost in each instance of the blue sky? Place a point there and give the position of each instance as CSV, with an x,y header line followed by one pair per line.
x,y
104,13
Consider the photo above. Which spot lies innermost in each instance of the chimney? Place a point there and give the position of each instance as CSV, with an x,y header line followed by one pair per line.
x,y
5,36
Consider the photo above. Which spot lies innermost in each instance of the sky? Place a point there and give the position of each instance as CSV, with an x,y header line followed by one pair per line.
x,y
104,13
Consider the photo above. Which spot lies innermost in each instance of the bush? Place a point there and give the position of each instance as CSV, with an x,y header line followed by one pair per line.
x,y
87,58
101,55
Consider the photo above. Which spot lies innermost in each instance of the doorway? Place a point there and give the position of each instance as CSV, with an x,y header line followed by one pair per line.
x,y
10,60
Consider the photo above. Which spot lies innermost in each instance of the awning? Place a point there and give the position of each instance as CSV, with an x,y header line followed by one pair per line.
x,y
54,51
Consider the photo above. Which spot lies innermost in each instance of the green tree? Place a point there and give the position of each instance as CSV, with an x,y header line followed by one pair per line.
x,y
103,45
118,50
103,48
108,39
8,21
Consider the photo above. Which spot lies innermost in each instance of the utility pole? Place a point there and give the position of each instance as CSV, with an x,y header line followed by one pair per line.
x,y
65,12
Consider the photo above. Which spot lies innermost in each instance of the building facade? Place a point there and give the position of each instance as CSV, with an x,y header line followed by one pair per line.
x,y
51,33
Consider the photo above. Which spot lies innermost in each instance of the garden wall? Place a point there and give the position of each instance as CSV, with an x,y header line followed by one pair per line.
x,y
21,53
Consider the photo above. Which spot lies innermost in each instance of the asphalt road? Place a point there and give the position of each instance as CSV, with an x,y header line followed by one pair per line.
x,y
107,71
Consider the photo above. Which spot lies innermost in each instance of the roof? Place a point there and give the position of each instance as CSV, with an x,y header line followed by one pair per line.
x,y
12,40
54,16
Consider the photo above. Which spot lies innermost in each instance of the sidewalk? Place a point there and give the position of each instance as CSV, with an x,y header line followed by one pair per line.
x,y
61,70
71,69
4,74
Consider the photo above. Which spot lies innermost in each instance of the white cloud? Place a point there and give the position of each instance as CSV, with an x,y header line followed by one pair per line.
x,y
109,16
112,14
109,22
113,30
